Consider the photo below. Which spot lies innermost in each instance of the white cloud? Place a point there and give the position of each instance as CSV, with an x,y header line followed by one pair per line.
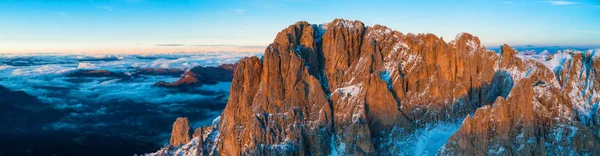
x,y
2,67
239,11
63,126
207,121
44,76
90,103
562,2
42,70
219,87
170,45
133,1
178,98
587,31
108,8
63,14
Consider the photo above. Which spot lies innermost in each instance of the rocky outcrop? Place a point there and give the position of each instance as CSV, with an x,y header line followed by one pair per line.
x,y
506,127
202,143
212,74
202,75
349,89
181,133
230,67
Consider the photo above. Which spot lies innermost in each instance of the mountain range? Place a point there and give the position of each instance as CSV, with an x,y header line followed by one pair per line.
x,y
344,88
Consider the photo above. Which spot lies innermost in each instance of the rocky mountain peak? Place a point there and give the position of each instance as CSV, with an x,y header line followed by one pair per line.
x,y
349,89
181,133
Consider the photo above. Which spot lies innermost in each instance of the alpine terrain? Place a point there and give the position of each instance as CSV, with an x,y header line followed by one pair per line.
x,y
344,88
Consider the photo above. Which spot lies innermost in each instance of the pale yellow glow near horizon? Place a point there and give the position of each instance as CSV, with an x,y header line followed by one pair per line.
x,y
121,49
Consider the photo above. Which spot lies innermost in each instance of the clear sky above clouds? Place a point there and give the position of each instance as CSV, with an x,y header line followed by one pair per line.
x,y
141,26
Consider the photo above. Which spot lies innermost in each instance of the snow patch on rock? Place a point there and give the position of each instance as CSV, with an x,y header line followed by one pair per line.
x,y
337,150
352,90
216,120
189,149
473,46
424,141
399,45
379,32
347,24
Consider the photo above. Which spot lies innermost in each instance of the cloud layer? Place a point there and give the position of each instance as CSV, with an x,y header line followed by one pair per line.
x,y
562,2
124,107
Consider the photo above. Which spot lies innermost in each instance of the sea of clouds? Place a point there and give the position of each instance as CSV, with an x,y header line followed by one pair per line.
x,y
112,104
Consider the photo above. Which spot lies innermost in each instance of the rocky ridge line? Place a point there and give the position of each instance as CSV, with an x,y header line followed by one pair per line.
x,y
345,88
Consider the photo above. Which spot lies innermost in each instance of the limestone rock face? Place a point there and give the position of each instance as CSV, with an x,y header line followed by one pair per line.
x,y
181,133
344,88
545,114
276,105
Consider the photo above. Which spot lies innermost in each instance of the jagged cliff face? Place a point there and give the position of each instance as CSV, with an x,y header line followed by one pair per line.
x,y
346,85
350,89
553,111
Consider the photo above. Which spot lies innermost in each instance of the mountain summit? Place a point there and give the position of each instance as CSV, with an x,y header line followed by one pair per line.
x,y
343,88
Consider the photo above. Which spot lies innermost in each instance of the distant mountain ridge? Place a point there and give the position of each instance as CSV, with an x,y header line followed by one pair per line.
x,y
542,49
343,88
202,75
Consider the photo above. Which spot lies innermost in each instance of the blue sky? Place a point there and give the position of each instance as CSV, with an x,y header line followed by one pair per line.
x,y
142,26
